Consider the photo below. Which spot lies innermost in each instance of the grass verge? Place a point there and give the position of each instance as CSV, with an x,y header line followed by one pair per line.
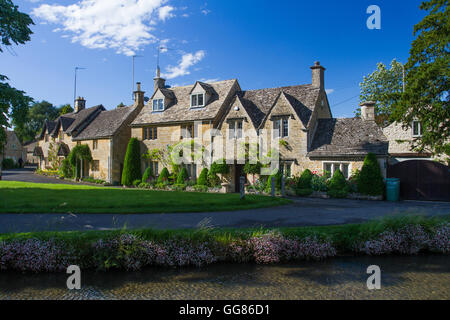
x,y
24,197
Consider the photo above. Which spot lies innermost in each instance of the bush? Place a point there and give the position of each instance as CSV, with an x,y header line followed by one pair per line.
x,y
213,179
319,183
66,169
183,176
338,187
78,153
148,174
305,180
277,176
200,188
203,178
164,176
219,167
137,182
370,180
303,192
132,163
8,163
179,187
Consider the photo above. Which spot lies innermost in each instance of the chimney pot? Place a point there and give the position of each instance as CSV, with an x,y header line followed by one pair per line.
x,y
80,104
368,111
139,95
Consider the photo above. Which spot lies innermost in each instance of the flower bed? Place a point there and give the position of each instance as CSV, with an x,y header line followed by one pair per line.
x,y
133,251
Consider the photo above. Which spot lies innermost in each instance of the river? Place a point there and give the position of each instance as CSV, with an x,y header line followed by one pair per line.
x,y
402,277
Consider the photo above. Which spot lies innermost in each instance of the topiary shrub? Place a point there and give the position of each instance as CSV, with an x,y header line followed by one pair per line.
x,y
8,163
319,183
132,163
164,176
183,176
66,169
338,188
203,178
305,180
277,176
148,174
370,180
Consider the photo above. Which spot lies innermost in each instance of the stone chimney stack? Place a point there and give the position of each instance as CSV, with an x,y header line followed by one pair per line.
x,y
80,104
368,111
318,79
159,82
139,95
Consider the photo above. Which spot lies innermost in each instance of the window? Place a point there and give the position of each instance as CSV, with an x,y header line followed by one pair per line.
x,y
188,131
281,128
94,144
153,165
95,165
331,167
197,100
158,104
417,129
150,133
286,168
192,170
235,129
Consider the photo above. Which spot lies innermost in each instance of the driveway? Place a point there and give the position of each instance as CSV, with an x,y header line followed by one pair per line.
x,y
27,175
302,212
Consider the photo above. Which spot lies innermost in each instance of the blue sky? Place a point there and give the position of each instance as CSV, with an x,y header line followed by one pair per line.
x,y
261,43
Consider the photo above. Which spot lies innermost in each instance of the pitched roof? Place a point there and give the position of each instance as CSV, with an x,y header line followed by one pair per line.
x,y
180,110
347,137
81,118
302,98
105,124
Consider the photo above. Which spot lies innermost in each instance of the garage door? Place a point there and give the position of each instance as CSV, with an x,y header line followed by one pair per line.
x,y
422,180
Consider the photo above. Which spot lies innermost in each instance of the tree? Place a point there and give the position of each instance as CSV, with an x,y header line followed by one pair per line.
x,y
203,178
338,187
305,180
370,179
132,163
164,175
77,156
38,113
148,174
383,87
121,105
426,97
183,176
14,29
252,168
64,109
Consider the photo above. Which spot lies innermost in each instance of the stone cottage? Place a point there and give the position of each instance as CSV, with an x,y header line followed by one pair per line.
x,y
13,148
106,132
297,120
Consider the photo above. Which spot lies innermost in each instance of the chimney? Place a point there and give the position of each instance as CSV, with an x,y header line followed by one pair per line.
x,y
318,79
139,95
368,111
80,104
159,82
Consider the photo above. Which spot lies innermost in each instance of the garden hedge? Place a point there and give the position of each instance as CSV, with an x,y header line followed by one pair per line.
x,y
132,163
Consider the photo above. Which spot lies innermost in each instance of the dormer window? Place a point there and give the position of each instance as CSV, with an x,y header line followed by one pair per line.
x,y
158,104
197,100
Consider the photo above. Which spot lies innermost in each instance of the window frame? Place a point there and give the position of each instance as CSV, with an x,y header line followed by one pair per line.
x,y
159,103
341,166
419,128
94,144
150,133
280,127
95,167
197,104
191,128
235,128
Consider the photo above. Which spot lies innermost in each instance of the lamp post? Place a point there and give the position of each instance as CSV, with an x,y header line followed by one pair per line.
x,y
75,84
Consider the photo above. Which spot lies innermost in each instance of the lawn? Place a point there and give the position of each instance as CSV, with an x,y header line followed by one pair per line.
x,y
25,197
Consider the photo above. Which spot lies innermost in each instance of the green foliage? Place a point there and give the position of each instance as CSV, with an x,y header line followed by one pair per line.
x,y
148,174
370,180
64,109
8,163
219,167
14,25
426,97
121,105
303,192
66,169
201,188
77,154
305,180
183,176
203,178
252,168
164,176
179,187
337,187
382,86
319,183
278,177
132,163
137,182
93,180
213,179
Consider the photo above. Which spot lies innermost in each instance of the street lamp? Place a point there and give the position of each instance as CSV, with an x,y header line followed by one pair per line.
x,y
75,84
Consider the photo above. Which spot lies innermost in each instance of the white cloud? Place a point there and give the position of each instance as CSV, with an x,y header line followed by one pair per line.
x,y
329,91
165,13
182,69
206,11
123,25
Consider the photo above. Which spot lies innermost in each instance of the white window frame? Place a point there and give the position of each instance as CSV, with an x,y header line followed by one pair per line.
x,y
279,133
340,164
419,128
197,105
235,132
157,105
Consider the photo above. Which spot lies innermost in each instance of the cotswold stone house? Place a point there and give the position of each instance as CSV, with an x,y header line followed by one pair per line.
x,y
223,117
106,132
13,149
